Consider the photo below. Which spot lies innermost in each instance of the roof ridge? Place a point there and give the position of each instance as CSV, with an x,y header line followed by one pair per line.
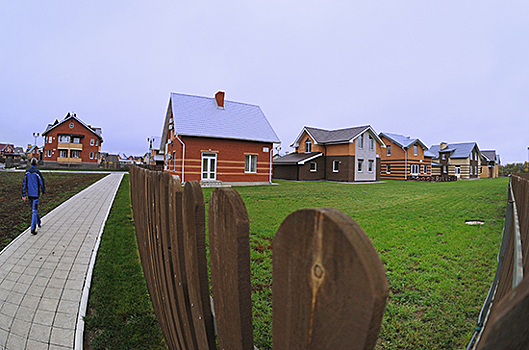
x,y
213,98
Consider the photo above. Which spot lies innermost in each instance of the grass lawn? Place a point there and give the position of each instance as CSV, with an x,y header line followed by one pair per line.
x,y
439,269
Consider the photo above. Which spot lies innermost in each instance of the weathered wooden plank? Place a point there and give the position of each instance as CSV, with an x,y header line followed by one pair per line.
x,y
229,250
508,326
196,265
178,260
330,288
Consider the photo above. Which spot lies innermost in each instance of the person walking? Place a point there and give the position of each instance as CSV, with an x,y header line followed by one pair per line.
x,y
31,188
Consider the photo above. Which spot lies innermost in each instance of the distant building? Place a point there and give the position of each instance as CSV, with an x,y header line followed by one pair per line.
x,y
490,164
34,152
462,160
72,142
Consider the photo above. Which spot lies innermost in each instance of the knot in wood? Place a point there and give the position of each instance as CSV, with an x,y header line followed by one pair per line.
x,y
318,271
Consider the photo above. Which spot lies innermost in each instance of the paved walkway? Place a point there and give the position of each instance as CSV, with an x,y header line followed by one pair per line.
x,y
44,278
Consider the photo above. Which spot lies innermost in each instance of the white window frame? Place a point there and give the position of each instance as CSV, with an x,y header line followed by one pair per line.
x,y
91,155
388,150
335,166
92,142
205,156
313,167
388,168
250,163
360,165
64,138
308,145
361,141
371,143
415,150
415,169
370,165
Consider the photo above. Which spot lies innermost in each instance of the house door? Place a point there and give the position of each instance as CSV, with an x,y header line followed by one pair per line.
x,y
209,166
458,171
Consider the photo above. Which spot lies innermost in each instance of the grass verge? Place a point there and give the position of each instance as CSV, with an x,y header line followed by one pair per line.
x,y
120,314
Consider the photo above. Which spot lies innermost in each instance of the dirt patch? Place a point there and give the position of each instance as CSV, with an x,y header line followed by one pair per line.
x,y
15,214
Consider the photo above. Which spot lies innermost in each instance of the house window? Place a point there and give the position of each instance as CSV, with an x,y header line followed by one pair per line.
x,y
313,166
361,141
388,169
49,153
92,142
388,150
444,157
414,169
75,154
97,142
63,153
445,169
91,155
335,166
371,143
360,165
415,150
50,139
370,166
425,169
250,163
64,138
76,140
308,146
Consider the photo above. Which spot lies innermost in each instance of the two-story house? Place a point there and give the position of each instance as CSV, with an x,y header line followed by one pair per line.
x,y
462,160
405,158
72,142
351,154
213,140
490,164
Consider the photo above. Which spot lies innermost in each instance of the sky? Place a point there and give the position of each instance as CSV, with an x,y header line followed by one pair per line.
x,y
452,71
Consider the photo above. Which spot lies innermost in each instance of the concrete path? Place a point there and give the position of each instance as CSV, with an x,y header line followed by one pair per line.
x,y
44,278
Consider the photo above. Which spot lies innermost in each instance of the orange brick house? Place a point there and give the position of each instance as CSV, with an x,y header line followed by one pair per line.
x,y
72,142
405,158
212,140
348,155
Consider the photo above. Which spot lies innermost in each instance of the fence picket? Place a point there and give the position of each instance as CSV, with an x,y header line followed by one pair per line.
x,y
330,288
196,264
229,247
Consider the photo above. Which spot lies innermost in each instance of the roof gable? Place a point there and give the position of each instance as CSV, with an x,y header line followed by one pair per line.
x,y
96,131
200,116
403,141
458,150
326,137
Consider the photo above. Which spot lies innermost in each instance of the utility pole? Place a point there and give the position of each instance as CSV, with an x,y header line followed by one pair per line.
x,y
35,135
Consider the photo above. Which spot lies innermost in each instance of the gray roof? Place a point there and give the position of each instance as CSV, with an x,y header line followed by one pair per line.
x,y
322,136
459,150
490,155
200,116
297,158
403,141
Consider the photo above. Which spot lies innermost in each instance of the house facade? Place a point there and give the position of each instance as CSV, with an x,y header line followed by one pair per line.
x,y
72,142
490,164
351,154
215,140
405,158
34,152
462,160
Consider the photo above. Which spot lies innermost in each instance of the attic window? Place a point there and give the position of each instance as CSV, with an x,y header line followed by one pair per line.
x,y
308,146
415,150
71,125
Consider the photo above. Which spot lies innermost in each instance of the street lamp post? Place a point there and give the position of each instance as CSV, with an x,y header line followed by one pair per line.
x,y
35,135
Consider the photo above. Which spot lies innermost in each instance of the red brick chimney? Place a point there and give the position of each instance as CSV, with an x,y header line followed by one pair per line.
x,y
219,97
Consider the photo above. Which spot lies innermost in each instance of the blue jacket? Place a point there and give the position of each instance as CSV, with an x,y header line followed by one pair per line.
x,y
33,183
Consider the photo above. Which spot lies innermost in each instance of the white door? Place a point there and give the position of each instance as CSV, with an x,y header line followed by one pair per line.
x,y
458,171
209,166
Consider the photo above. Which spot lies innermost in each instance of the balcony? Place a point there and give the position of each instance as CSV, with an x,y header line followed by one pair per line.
x,y
70,145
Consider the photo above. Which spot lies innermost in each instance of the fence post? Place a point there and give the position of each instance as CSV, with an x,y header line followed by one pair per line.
x,y
229,247
329,285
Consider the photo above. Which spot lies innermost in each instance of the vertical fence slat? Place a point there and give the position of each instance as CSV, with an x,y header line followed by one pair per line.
x,y
330,288
196,264
229,247
178,260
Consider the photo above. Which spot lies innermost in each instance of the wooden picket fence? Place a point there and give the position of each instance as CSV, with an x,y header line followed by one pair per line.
x,y
329,285
504,319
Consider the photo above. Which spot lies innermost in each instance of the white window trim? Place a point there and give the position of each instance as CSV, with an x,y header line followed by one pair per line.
x,y
370,163
415,150
315,167
360,164
361,141
335,166
388,150
388,168
249,167
92,142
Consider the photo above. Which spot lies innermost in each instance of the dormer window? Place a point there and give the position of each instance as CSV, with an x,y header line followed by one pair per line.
x,y
308,146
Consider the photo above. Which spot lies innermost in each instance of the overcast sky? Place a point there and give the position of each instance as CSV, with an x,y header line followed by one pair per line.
x,y
451,71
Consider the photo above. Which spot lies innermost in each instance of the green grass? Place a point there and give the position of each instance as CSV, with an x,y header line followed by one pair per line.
x,y
439,269
120,314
